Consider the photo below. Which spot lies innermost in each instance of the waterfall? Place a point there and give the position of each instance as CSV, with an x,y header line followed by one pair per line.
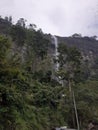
x,y
56,53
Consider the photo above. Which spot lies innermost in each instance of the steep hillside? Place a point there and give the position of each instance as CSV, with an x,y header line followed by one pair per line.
x,y
86,45
40,88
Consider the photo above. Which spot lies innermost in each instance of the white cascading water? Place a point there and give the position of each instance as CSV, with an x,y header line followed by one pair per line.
x,y
56,54
55,42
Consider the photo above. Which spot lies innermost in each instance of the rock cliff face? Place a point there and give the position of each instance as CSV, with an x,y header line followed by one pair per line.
x,y
87,45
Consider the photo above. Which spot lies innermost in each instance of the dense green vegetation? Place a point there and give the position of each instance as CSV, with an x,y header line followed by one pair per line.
x,y
30,97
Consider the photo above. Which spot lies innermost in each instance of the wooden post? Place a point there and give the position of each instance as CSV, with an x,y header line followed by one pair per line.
x,y
76,113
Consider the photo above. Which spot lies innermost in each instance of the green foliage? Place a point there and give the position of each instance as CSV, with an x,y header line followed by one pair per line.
x,y
4,47
70,63
87,100
40,44
30,99
18,34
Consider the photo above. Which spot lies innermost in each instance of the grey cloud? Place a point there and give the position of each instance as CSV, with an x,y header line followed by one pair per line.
x,y
60,17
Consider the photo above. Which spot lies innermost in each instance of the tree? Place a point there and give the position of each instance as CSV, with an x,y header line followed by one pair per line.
x,y
18,35
70,64
11,84
40,45
21,22
10,19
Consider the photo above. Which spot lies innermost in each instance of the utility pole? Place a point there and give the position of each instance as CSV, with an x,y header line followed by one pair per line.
x,y
76,113
74,103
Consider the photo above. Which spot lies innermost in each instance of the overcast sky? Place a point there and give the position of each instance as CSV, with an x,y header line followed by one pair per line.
x,y
59,17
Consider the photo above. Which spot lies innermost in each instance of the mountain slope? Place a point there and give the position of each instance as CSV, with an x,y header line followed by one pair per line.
x,y
86,45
